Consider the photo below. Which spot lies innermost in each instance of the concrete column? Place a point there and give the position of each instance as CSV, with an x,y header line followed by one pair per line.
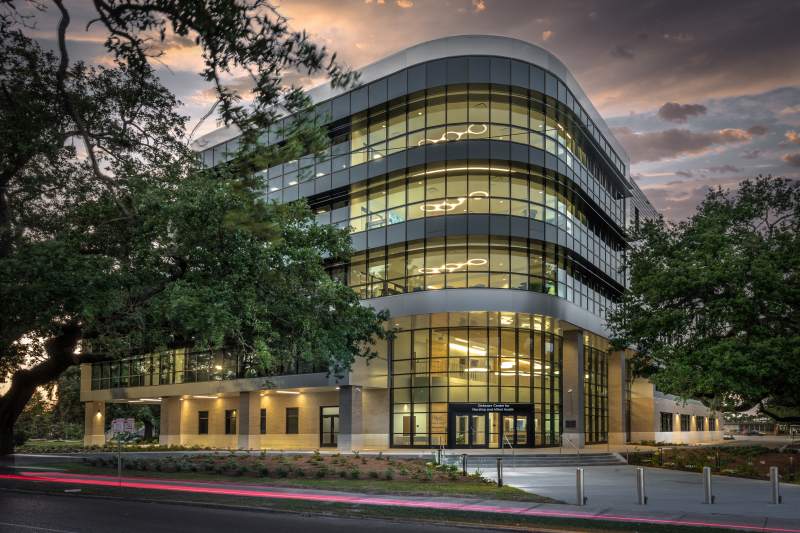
x,y
249,420
170,422
574,402
94,424
351,436
616,398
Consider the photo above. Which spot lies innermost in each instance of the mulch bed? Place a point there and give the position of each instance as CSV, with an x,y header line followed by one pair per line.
x,y
751,462
349,466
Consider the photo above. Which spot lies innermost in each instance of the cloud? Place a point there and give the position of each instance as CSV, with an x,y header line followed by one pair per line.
x,y
242,86
723,169
593,15
479,6
751,154
546,35
794,138
679,114
637,177
792,160
678,200
790,110
684,173
680,37
405,3
674,142
622,51
757,130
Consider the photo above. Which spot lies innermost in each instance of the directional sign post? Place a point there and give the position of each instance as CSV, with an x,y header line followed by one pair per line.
x,y
119,426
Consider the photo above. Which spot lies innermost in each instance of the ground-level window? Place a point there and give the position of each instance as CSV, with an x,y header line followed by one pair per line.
x,y
263,421
202,423
292,415
666,422
685,422
230,422
700,422
712,424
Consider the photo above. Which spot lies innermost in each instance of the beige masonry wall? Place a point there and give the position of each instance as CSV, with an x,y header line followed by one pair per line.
x,y
375,419
646,409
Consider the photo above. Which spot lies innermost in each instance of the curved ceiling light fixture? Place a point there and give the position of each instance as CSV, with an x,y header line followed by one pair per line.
x,y
451,267
446,205
458,133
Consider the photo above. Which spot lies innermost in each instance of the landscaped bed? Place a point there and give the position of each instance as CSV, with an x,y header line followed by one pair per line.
x,y
342,472
751,462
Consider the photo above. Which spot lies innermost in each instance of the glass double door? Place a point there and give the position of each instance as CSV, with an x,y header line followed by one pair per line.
x,y
329,427
470,431
490,430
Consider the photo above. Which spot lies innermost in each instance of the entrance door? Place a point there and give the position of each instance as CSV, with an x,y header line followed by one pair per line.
x,y
515,430
329,427
470,431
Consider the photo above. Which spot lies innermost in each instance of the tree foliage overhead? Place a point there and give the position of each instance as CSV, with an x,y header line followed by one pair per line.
x,y
113,242
713,309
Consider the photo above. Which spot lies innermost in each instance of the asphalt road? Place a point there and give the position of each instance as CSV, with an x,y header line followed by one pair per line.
x,y
25,513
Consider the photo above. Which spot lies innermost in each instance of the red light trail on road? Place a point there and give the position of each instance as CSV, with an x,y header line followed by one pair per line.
x,y
109,481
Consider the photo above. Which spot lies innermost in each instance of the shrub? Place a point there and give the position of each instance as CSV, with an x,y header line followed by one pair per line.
x,y
282,472
257,464
389,473
429,473
241,470
299,471
263,470
355,472
193,468
357,455
127,465
298,456
380,456
208,464
342,473
143,464
320,473
19,437
373,473
415,475
263,454
403,471
93,462
177,466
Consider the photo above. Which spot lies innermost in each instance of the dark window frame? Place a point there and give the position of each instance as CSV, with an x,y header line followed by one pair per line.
x,y
686,422
230,421
666,423
202,422
263,425
292,420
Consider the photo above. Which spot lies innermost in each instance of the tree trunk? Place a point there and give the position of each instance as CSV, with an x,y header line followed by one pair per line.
x,y
60,356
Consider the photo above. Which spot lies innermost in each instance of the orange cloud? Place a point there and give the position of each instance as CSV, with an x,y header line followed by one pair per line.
x,y
405,3
479,6
674,142
794,138
546,35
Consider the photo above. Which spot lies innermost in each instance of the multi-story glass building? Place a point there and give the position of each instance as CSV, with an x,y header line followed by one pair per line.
x,y
487,201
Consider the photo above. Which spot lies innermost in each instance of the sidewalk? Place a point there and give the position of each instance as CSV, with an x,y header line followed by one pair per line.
x,y
776,520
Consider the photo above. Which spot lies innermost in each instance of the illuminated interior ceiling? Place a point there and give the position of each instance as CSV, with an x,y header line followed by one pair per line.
x,y
458,133
452,267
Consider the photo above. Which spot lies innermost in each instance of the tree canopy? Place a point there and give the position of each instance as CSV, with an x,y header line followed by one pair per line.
x,y
114,241
713,308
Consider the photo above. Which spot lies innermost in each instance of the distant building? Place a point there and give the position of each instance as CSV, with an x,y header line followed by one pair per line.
x,y
488,201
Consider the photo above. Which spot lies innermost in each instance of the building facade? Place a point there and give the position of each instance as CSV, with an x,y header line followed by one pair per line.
x,y
487,201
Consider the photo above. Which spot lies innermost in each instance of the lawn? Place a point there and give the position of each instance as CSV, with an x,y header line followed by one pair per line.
x,y
40,443
367,475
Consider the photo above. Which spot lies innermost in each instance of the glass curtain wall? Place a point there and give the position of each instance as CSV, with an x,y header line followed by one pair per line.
x,y
595,390
475,261
434,366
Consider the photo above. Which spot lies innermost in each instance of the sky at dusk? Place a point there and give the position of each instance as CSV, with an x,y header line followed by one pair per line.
x,y
700,94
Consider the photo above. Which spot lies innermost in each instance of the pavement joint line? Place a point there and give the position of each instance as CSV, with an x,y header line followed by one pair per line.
x,y
402,503
34,527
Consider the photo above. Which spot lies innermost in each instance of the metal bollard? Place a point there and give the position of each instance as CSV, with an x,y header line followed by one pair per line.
x,y
660,457
499,472
774,490
581,499
719,468
464,463
641,499
708,497
791,468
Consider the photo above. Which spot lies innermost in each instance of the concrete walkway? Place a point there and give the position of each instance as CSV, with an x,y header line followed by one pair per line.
x,y
673,503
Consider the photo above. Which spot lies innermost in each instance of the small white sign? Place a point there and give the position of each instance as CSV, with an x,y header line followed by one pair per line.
x,y
122,425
